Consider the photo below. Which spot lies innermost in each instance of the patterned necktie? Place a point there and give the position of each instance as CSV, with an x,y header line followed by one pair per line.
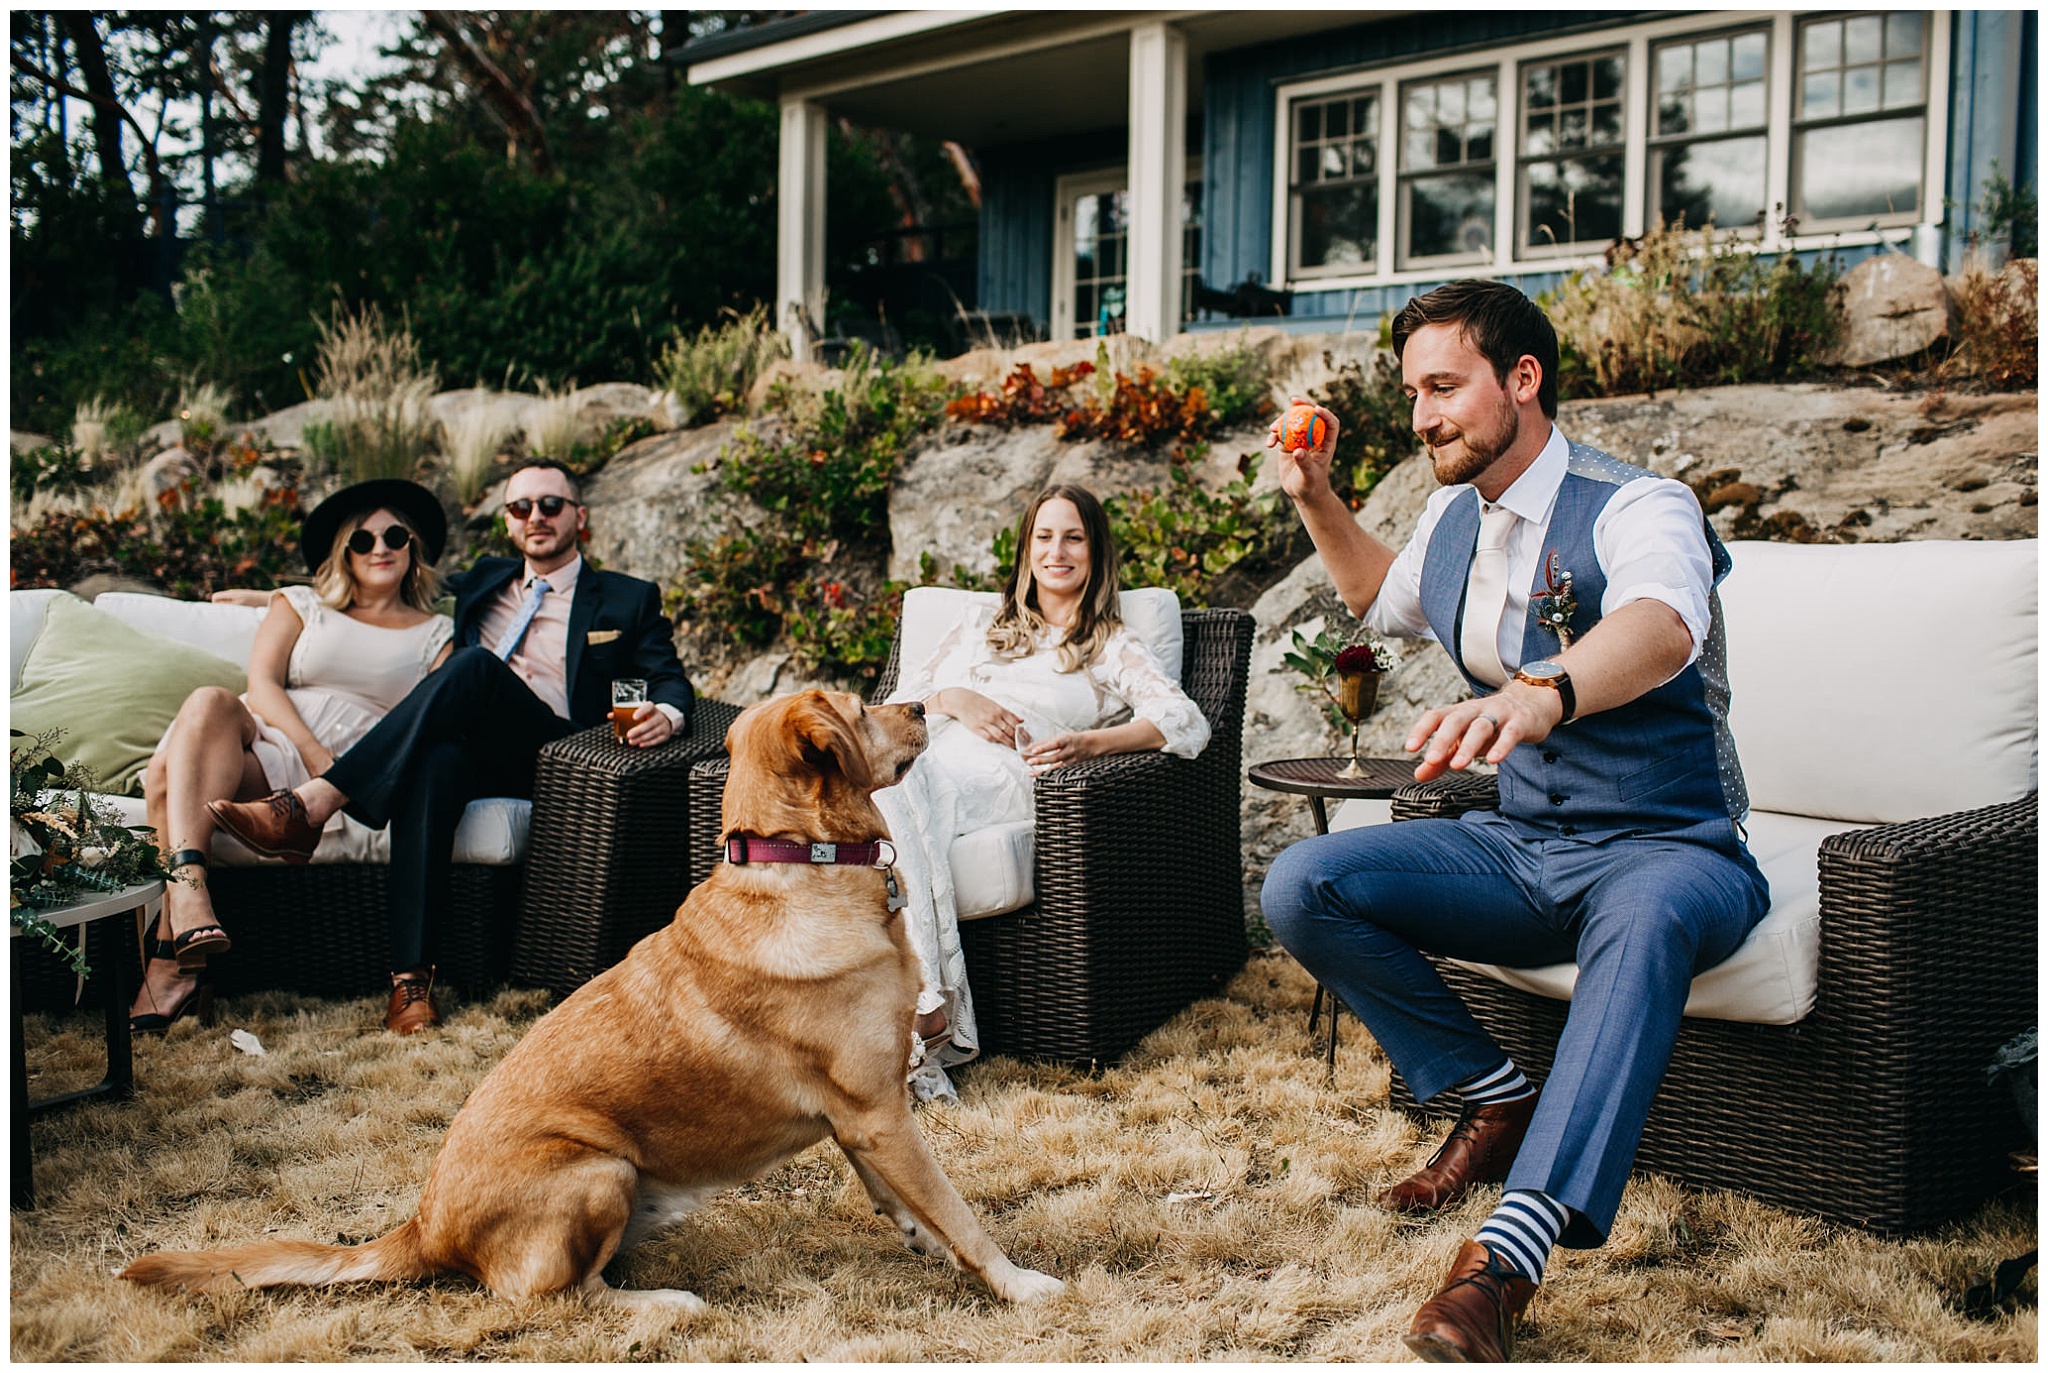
x,y
1486,597
527,610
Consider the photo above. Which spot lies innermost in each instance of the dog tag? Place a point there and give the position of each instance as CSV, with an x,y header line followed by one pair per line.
x,y
897,900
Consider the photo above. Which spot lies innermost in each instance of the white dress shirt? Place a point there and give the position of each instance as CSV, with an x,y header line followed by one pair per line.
x,y
1650,540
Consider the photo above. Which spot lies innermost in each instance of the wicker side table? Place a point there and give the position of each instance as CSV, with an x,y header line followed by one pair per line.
x,y
608,861
1318,780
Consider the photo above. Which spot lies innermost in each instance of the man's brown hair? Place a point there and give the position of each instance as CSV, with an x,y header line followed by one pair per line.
x,y
1501,323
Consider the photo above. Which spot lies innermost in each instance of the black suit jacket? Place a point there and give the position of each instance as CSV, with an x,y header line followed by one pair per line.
x,y
616,629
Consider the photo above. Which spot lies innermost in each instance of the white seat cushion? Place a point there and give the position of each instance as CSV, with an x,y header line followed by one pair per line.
x,y
1920,657
225,631
492,834
992,870
1771,979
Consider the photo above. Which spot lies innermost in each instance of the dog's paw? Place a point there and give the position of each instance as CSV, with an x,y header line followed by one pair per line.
x,y
673,1300
1027,1285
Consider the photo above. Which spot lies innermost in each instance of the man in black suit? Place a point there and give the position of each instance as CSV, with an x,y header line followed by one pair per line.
x,y
542,639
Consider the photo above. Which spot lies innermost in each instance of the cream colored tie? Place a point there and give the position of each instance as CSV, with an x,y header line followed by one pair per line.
x,y
1486,597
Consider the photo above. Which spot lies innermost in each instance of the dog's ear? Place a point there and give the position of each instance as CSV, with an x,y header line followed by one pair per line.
x,y
824,739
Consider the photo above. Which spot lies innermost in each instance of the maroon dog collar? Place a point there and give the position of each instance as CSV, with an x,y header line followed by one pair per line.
x,y
875,853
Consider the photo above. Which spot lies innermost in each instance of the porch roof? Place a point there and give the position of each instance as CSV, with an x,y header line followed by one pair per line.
x,y
982,77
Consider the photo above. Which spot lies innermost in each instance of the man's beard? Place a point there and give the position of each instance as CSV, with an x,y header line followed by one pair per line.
x,y
1470,453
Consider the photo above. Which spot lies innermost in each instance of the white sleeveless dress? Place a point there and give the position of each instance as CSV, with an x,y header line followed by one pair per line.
x,y
343,677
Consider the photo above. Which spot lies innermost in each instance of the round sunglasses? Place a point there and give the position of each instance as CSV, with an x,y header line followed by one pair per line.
x,y
550,506
396,537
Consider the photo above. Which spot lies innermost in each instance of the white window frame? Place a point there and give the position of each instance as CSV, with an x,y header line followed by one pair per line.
x,y
1636,38
1067,190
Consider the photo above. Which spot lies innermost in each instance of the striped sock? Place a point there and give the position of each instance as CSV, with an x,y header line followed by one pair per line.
x,y
1523,1230
1504,1083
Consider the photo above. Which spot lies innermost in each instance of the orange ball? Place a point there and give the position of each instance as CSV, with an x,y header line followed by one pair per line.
x,y
1302,428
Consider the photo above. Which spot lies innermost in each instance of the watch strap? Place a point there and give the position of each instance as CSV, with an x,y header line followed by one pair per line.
x,y
1567,696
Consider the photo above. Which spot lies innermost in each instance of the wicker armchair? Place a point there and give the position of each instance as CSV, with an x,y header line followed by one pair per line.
x,y
1139,874
1874,1109
603,868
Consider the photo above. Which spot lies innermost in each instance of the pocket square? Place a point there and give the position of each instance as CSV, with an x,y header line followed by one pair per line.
x,y
603,636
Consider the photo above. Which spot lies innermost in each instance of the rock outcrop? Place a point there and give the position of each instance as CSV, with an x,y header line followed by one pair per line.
x,y
1892,307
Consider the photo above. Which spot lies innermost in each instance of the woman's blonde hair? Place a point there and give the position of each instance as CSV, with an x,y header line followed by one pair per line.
x,y
1018,624
336,584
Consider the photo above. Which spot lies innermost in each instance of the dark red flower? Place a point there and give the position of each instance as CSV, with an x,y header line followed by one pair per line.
x,y
1357,658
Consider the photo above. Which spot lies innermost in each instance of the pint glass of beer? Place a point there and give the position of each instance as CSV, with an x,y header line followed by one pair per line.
x,y
629,698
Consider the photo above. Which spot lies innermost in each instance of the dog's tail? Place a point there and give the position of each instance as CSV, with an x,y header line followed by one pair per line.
x,y
396,1257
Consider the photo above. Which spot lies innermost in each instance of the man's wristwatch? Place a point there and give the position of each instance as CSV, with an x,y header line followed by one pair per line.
x,y
1549,674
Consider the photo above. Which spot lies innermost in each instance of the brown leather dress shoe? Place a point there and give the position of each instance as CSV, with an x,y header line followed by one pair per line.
x,y
1471,1319
412,1004
1480,1148
275,826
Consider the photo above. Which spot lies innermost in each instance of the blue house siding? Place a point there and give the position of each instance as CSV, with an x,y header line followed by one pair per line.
x,y
1017,185
1237,150
1993,106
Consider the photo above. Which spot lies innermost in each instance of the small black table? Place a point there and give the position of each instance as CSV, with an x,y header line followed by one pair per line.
x,y
1317,779
140,902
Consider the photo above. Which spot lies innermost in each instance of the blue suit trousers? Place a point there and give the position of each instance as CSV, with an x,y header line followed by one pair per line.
x,y
1641,914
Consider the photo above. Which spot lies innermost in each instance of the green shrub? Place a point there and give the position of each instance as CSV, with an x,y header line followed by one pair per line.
x,y
711,372
1184,536
1237,381
828,474
1683,308
191,545
739,584
834,629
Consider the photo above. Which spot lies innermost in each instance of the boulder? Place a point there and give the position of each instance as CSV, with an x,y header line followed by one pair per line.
x,y
505,411
167,469
287,428
20,441
649,500
1893,307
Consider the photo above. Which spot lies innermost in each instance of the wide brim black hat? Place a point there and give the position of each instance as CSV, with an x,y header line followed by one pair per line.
x,y
421,508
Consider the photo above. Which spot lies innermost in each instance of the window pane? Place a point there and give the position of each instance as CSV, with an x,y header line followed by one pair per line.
x,y
1419,108
1901,84
1363,162
1479,98
1450,149
1820,96
1710,62
1863,38
1418,149
1748,57
1860,170
1606,78
1540,84
1542,136
1571,83
1309,123
1084,221
1859,90
1902,34
1746,105
1574,202
1823,46
1337,119
1674,67
1722,181
1450,103
1305,166
1333,162
1479,148
1672,115
1710,110
1365,116
1571,129
1607,123
1449,214
1339,225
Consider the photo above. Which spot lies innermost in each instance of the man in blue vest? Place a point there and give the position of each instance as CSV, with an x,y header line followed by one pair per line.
x,y
1576,595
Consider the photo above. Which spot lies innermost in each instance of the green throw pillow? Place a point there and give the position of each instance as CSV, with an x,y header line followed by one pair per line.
x,y
113,689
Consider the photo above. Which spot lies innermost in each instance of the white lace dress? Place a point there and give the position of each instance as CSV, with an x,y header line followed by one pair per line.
x,y
963,783
343,677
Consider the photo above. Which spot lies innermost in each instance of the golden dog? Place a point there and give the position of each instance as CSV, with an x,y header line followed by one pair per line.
x,y
774,1010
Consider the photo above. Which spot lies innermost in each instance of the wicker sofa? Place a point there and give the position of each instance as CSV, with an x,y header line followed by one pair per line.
x,y
320,929
1884,708
1134,905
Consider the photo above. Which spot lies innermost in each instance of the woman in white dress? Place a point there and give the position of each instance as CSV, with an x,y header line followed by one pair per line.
x,y
1048,677
328,661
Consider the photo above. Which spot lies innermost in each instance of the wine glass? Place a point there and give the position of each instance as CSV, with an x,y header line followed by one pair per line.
x,y
1357,694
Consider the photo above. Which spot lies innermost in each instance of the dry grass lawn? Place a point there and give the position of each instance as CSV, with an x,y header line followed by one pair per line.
x,y
1210,1197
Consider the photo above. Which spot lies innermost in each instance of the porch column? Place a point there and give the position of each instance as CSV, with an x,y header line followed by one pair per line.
x,y
1158,173
800,226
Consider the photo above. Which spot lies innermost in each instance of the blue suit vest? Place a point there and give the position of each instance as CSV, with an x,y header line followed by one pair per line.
x,y
1665,761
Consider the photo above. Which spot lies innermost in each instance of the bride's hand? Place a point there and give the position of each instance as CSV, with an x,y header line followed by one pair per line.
x,y
976,711
1062,749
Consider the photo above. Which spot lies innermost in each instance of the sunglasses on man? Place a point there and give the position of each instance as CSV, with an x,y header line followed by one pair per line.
x,y
550,506
396,537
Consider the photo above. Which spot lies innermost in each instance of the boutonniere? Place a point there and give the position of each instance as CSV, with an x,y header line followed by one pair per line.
x,y
1555,606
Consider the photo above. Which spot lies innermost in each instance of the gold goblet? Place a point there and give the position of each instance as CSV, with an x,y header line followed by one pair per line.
x,y
1357,694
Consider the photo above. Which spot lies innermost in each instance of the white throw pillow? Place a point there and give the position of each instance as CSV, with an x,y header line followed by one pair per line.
x,y
1883,682
26,611
1152,613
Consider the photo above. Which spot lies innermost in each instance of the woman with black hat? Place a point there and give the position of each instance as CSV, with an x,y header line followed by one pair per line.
x,y
328,661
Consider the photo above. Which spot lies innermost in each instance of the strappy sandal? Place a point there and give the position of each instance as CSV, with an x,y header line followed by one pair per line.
x,y
194,946
198,998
